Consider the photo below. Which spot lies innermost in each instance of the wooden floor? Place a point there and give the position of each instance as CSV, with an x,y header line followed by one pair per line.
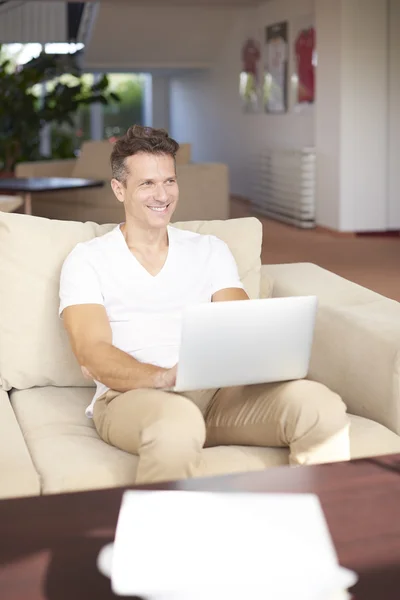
x,y
373,262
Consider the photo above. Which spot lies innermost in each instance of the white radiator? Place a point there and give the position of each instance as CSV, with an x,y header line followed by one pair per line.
x,y
284,186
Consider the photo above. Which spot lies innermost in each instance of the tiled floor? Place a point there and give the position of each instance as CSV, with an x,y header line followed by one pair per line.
x,y
373,262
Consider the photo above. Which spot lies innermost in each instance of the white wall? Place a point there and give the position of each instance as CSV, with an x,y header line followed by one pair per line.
x,y
394,117
328,113
364,123
352,114
206,107
348,125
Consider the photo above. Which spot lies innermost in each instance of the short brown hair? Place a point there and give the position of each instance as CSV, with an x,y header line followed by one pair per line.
x,y
140,139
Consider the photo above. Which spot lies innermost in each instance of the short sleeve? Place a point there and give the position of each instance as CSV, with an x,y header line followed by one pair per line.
x,y
224,271
79,282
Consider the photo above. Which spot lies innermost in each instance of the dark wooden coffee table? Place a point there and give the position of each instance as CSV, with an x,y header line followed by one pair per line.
x,y
49,545
27,186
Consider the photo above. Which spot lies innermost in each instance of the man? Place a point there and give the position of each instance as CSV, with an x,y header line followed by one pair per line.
x,y
122,296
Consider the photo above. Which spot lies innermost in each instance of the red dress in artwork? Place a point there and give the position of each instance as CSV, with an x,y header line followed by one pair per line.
x,y
305,48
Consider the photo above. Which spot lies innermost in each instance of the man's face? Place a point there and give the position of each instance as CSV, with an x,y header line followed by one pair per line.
x,y
151,192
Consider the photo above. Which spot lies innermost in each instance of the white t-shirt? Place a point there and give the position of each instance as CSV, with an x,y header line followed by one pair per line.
x,y
144,311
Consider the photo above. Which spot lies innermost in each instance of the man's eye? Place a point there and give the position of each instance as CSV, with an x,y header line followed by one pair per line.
x,y
147,183
171,180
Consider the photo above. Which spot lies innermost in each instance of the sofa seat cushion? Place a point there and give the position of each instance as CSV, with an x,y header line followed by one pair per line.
x,y
64,445
34,349
69,455
18,476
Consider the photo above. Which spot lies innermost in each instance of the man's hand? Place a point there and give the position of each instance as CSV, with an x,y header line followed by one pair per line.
x,y
167,378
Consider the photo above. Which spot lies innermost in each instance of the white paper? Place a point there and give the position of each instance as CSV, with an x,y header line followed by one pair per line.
x,y
173,545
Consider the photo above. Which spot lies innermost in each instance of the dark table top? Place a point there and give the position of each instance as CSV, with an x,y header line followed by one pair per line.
x,y
46,184
49,545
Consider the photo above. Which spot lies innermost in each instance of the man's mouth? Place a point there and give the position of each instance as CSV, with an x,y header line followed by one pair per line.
x,y
159,209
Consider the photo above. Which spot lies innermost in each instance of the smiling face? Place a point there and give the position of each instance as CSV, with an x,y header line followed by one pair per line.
x,y
150,192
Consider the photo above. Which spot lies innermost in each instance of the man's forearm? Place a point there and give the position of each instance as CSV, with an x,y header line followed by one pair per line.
x,y
119,371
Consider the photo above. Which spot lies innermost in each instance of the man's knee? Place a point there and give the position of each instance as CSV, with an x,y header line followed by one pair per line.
x,y
142,417
314,402
179,424
318,427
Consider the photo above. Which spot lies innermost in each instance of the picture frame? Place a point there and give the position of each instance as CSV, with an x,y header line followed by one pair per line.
x,y
275,84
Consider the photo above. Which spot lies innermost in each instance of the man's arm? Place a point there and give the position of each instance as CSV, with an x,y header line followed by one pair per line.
x,y
229,294
90,335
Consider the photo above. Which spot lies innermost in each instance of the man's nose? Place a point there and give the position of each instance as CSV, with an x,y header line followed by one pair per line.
x,y
160,193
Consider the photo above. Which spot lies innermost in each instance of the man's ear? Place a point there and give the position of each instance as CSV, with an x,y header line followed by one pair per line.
x,y
117,188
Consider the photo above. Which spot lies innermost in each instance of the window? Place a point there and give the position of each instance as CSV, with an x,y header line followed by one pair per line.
x,y
119,117
112,121
95,121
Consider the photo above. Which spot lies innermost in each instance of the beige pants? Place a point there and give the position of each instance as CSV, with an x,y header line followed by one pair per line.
x,y
168,431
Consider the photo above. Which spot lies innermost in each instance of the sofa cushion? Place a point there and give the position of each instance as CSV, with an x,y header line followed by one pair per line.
x,y
34,350
203,190
69,455
368,438
184,155
94,160
304,279
64,445
356,353
18,476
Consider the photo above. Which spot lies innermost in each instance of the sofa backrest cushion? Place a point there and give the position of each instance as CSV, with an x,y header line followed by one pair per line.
x,y
34,349
184,155
94,161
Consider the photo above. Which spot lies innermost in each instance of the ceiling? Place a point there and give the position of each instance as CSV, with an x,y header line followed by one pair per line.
x,y
130,36
164,3
192,2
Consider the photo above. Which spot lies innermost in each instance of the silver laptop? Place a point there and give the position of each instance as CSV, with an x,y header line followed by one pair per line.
x,y
245,342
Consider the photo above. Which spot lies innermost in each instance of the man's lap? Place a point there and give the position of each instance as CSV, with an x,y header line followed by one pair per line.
x,y
241,415
122,418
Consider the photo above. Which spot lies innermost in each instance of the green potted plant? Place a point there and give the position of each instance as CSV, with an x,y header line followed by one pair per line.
x,y
24,112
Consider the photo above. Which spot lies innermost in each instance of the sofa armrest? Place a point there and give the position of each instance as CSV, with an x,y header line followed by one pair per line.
x,y
307,279
18,476
356,350
46,168
266,283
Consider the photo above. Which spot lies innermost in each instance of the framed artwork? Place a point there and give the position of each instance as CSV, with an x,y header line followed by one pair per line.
x,y
275,85
305,61
250,76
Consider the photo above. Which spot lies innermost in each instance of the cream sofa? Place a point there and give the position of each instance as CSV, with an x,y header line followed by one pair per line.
x,y
204,187
47,445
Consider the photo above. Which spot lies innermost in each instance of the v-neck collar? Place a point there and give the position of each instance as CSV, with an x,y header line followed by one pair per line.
x,y
138,263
